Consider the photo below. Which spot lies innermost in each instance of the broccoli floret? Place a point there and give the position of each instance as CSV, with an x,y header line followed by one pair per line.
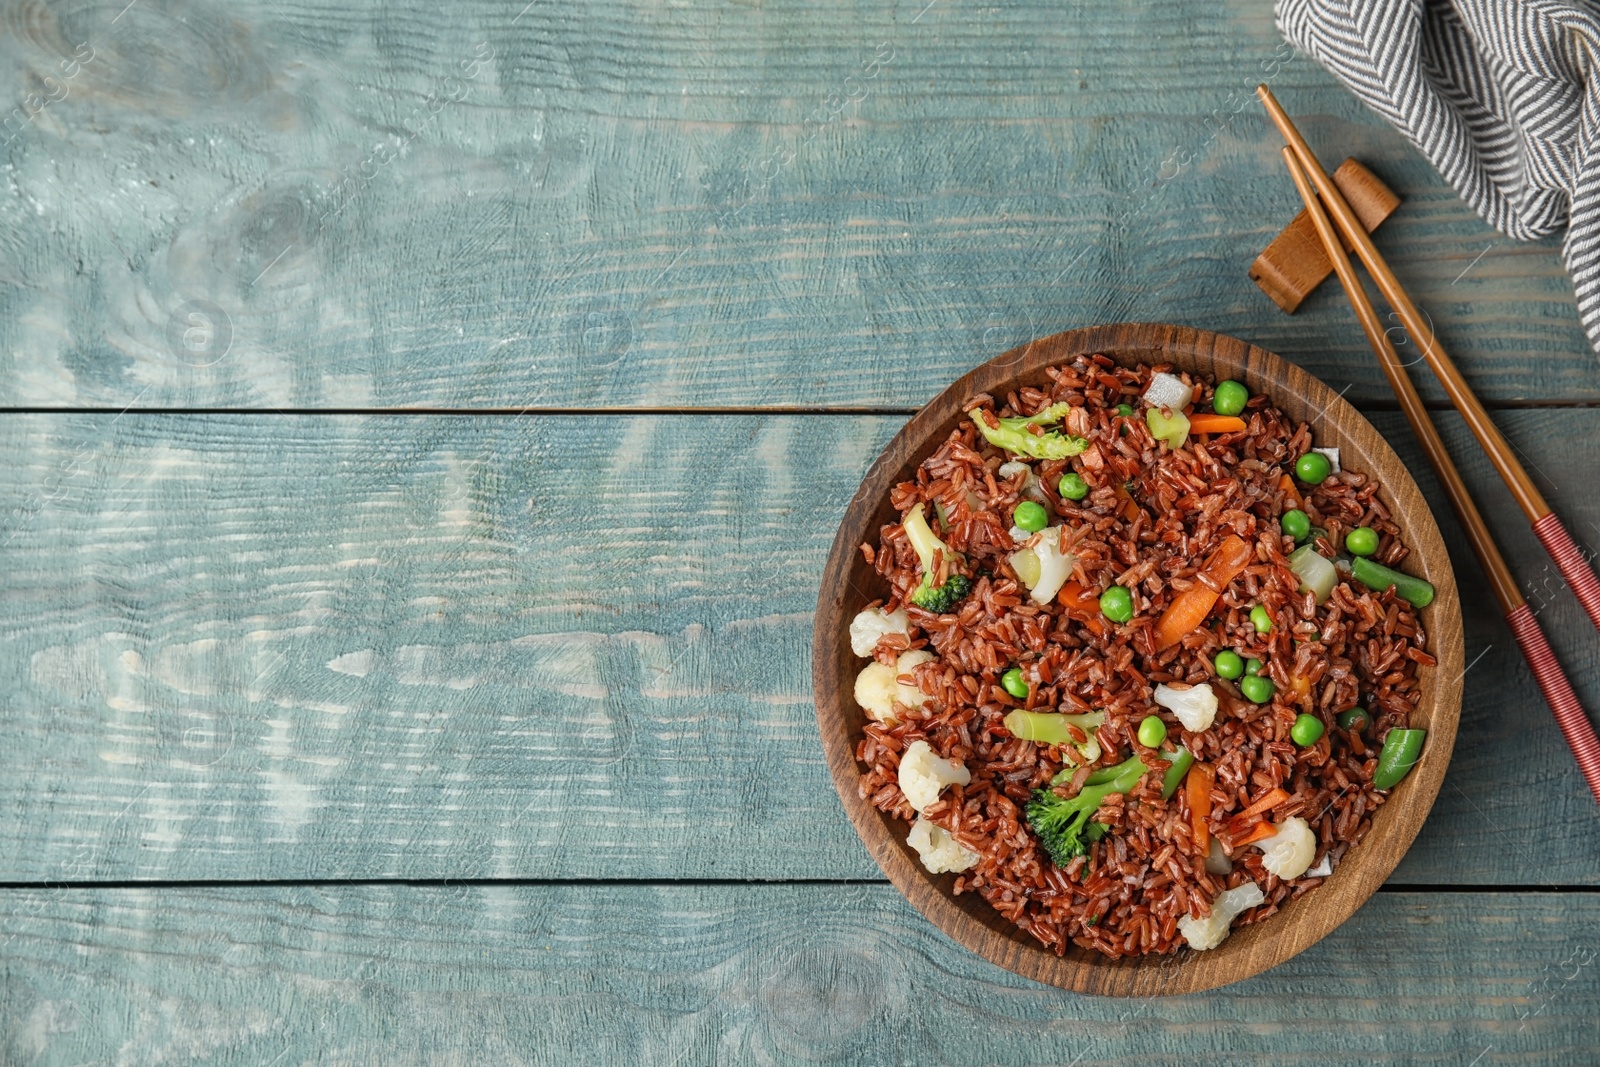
x,y
1062,825
1048,417
943,600
1013,434
938,599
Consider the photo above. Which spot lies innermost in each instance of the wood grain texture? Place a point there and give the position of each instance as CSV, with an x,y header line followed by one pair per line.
x,y
968,918
661,976
326,647
274,205
245,648
1294,263
1418,327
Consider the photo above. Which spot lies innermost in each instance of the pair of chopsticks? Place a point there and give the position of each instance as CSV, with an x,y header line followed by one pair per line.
x,y
1323,198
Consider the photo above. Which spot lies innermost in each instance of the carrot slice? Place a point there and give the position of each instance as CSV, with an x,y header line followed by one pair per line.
x,y
1073,597
1197,787
1269,800
1130,506
1259,832
1286,484
1190,607
1083,606
1186,612
1209,423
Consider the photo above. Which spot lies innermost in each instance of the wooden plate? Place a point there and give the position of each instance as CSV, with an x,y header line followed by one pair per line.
x,y
848,584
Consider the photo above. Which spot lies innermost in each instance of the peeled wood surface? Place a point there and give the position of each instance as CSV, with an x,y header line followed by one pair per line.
x,y
433,647
632,206
743,974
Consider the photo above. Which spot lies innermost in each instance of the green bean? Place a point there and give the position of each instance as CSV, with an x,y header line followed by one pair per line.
x,y
1415,591
1174,776
1401,750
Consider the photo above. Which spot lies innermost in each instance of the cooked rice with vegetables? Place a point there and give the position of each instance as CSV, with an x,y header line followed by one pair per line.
x,y
1146,660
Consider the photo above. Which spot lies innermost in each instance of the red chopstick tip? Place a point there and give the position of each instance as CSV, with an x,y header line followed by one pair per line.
x,y
1569,714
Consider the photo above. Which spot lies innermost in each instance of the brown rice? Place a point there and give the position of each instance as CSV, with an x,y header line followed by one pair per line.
x,y
1126,895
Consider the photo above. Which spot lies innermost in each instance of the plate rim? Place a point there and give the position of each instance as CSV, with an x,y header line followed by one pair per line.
x,y
1248,951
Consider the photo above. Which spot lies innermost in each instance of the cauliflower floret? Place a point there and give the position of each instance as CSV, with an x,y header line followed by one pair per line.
x,y
910,695
1041,565
878,686
1288,853
924,775
873,623
1213,929
940,852
1195,707
1032,488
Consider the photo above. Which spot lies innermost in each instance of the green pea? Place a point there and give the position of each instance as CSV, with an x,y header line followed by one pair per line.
x,y
1312,468
1306,731
1257,688
1228,664
1261,619
1073,487
1362,541
1125,411
1355,719
1014,683
1116,604
1230,398
1031,516
1152,731
1296,523
1252,667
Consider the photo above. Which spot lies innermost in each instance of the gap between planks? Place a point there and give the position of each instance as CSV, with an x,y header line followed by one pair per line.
x,y
446,883
732,411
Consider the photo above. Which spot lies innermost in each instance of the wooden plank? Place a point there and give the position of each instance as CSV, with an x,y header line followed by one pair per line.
x,y
666,975
564,647
315,205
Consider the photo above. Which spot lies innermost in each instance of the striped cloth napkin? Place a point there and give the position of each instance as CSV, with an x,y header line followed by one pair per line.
x,y
1498,94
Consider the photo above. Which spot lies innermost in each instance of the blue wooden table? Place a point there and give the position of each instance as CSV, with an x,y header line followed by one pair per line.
x,y
424,428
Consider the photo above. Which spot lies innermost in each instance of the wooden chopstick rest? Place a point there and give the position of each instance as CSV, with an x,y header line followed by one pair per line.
x,y
1294,263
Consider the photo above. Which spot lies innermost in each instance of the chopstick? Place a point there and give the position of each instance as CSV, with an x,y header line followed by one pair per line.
x,y
1569,714
1577,571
